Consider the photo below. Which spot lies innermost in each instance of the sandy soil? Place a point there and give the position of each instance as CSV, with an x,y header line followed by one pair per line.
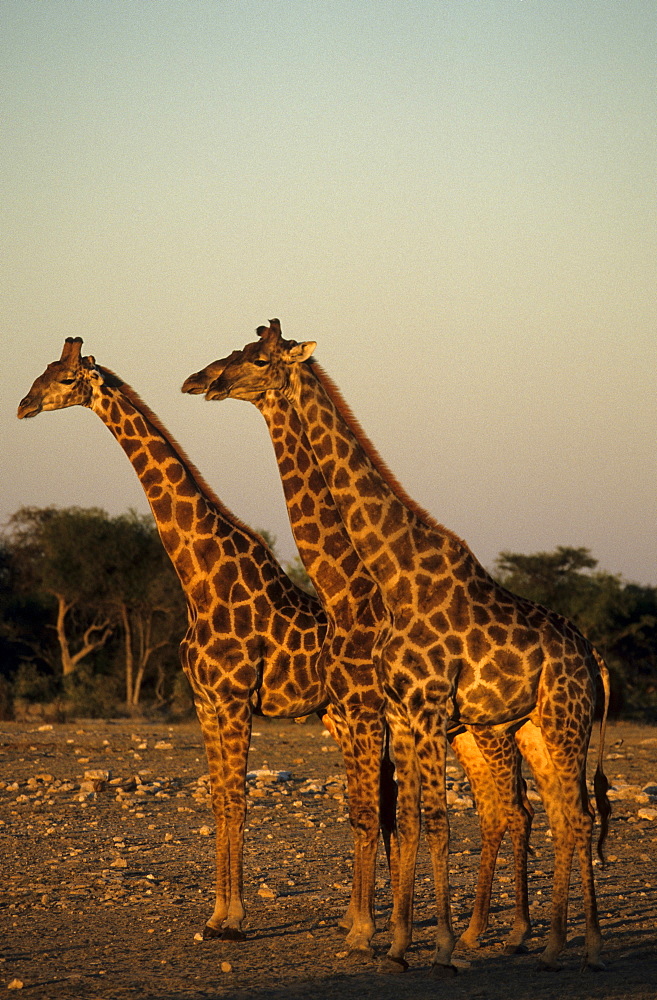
x,y
107,881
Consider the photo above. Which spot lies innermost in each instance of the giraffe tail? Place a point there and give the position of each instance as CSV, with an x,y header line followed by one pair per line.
x,y
388,791
600,782
388,816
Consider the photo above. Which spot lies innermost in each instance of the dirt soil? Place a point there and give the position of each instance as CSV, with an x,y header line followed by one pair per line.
x,y
108,878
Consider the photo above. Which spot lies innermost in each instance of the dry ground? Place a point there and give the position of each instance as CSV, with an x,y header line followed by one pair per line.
x,y
106,884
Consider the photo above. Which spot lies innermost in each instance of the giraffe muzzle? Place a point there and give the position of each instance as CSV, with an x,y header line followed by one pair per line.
x,y
28,408
194,385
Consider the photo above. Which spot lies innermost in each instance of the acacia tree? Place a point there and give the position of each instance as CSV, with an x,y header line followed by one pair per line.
x,y
559,580
54,551
142,587
103,575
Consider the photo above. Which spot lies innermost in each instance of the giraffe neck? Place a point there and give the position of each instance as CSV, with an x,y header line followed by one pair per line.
x,y
197,531
391,534
340,578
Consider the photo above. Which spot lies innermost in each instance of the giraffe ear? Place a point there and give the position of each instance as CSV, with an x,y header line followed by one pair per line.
x,y
90,364
300,352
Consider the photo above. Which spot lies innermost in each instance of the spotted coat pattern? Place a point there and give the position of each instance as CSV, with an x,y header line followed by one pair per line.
x,y
460,646
358,627
357,621
253,642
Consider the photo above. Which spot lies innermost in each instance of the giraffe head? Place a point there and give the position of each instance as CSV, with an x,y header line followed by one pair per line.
x,y
265,364
67,382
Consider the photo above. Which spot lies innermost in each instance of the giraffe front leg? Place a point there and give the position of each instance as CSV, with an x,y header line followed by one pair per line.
x,y
235,739
214,925
365,739
226,736
209,728
338,729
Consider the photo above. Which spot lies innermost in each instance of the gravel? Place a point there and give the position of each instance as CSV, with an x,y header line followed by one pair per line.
x,y
107,848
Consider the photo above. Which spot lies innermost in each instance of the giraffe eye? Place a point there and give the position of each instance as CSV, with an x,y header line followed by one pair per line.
x,y
66,381
260,363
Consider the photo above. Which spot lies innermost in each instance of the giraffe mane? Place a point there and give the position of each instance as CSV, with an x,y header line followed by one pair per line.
x,y
115,382
373,455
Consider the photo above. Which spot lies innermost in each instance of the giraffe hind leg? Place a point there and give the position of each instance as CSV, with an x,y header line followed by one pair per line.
x,y
580,817
559,777
501,755
532,746
492,825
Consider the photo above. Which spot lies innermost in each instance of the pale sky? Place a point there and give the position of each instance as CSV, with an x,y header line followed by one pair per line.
x,y
455,199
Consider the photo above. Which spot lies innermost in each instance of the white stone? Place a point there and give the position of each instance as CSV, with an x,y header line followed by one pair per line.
x,y
89,786
97,774
264,774
622,790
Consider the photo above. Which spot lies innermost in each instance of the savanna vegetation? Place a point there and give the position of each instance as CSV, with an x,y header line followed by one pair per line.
x,y
91,615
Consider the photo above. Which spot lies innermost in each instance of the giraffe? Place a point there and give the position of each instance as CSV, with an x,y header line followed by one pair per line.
x,y
351,600
460,646
356,623
254,642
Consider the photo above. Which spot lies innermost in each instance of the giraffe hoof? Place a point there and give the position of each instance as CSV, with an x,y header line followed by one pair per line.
x,y
358,956
232,934
515,949
211,932
392,966
549,965
466,944
439,971
594,965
